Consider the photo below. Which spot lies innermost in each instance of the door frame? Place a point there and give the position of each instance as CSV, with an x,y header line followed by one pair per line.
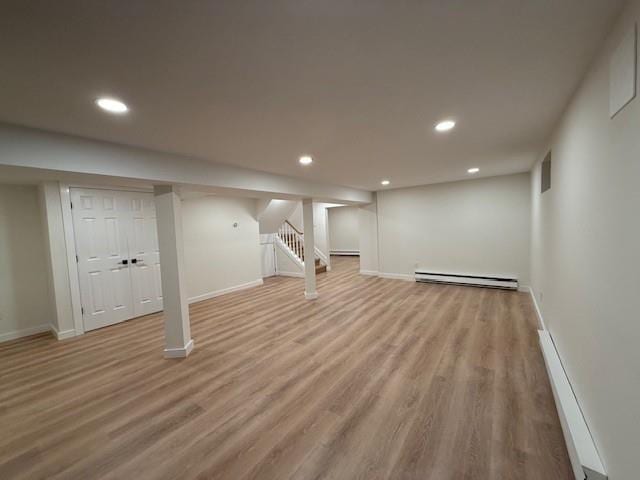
x,y
70,243
272,245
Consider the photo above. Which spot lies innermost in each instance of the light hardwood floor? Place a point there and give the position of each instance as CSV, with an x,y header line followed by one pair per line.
x,y
377,379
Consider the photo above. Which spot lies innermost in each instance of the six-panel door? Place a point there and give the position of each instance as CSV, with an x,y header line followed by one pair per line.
x,y
145,255
118,257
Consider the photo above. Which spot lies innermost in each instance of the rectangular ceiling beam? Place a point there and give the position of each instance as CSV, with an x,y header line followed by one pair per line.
x,y
71,155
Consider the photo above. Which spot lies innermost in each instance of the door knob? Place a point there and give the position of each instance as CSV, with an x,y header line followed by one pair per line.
x,y
134,260
124,262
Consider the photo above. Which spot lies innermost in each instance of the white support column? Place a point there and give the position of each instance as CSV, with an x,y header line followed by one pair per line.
x,y
177,330
310,292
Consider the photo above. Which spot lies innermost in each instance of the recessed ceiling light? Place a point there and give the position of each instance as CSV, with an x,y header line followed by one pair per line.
x,y
473,170
445,125
306,160
385,182
112,105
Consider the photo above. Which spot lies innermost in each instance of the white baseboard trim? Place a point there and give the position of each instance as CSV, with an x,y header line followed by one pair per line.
x,y
311,296
541,323
353,253
24,332
290,274
217,293
398,276
64,334
372,273
585,461
179,352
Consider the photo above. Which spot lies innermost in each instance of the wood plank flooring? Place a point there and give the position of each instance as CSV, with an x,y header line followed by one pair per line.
x,y
377,379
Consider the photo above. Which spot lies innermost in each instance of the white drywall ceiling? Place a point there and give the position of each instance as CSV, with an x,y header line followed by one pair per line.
x,y
356,84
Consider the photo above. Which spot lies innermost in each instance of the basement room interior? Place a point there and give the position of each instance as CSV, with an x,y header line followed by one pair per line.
x,y
319,240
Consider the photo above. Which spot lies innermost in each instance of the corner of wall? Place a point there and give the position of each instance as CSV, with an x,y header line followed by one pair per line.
x,y
57,257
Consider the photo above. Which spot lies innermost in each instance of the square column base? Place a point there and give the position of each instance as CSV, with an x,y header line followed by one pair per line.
x,y
179,352
310,296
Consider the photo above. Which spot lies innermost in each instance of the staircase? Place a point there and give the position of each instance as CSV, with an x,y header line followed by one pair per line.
x,y
320,268
293,239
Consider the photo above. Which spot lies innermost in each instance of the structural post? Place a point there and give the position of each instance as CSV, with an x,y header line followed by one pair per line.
x,y
310,292
177,330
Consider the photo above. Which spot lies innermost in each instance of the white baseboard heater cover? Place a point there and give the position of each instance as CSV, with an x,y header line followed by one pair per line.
x,y
462,279
585,460
354,253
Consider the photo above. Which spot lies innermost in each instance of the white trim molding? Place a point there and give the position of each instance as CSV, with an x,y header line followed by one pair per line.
x,y
224,291
24,332
179,352
371,273
541,323
310,296
72,264
585,461
63,335
280,273
397,276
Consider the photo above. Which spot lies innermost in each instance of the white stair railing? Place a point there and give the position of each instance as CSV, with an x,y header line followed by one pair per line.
x,y
293,239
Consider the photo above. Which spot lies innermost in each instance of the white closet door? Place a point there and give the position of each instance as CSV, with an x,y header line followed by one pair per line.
x,y
101,221
144,255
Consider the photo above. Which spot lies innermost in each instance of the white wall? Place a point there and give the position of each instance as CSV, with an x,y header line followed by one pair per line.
x,y
321,230
344,229
24,296
275,213
295,218
219,256
586,258
476,226
286,266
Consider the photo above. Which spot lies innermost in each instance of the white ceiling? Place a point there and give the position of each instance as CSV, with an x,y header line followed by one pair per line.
x,y
357,84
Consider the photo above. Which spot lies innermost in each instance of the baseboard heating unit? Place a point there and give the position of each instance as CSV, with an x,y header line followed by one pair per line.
x,y
490,281
585,461
349,253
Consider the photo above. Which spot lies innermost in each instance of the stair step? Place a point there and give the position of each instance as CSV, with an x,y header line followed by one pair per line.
x,y
321,268
317,261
